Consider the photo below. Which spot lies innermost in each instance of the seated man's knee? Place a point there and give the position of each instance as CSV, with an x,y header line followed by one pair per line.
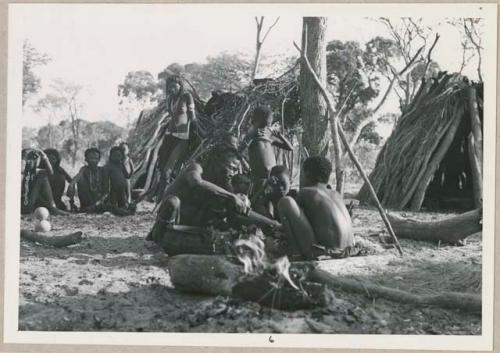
x,y
169,207
288,205
172,202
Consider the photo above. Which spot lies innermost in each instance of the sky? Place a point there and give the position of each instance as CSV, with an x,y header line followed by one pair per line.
x,y
97,45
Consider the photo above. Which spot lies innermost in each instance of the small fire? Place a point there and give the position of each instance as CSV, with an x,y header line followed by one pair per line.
x,y
251,253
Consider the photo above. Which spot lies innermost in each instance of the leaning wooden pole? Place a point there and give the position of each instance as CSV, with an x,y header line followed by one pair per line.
x,y
370,187
349,150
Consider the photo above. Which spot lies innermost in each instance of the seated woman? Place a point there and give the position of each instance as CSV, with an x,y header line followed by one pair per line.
x,y
92,183
35,186
318,214
58,179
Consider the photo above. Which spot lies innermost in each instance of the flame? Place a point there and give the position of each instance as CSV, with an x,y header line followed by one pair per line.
x,y
251,253
282,266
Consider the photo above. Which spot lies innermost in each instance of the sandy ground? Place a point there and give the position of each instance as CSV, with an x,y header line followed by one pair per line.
x,y
116,281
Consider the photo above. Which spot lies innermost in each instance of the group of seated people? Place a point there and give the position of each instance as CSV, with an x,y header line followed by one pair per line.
x,y
99,188
205,192
215,189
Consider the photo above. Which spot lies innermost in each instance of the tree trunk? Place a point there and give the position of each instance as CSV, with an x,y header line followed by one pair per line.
x,y
449,230
477,180
449,300
313,105
476,126
204,274
256,63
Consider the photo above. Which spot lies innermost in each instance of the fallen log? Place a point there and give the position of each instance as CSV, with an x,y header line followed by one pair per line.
x,y
448,300
204,274
449,230
55,241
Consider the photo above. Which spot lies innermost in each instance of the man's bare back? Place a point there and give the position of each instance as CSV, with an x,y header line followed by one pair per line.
x,y
328,216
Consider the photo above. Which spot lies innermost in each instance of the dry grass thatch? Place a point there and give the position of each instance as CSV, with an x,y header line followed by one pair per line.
x,y
412,155
224,113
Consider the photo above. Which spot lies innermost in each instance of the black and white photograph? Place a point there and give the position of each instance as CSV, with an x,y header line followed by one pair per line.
x,y
287,173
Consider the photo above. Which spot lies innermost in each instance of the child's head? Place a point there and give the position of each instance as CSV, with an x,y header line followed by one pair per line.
x,y
240,184
116,155
279,181
262,116
125,148
92,156
316,170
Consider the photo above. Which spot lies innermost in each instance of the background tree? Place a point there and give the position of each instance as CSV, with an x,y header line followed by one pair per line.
x,y
412,40
70,96
138,91
100,134
50,105
259,41
225,71
31,59
471,32
313,106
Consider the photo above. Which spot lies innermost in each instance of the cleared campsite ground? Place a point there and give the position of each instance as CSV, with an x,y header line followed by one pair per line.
x,y
116,281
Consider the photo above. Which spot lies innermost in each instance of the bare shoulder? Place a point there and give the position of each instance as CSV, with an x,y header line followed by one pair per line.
x,y
308,193
193,167
191,173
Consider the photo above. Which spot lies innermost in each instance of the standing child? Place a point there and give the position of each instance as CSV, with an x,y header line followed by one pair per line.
x,y
260,141
128,168
118,186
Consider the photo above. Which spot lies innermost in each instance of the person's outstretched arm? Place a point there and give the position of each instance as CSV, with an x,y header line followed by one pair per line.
x,y
193,177
71,187
47,170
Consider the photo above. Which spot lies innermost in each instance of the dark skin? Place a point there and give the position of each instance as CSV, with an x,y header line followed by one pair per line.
x,y
266,202
41,193
58,180
129,169
92,159
260,141
116,174
202,194
317,216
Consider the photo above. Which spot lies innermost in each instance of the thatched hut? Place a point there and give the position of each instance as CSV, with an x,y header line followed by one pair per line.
x,y
224,113
433,158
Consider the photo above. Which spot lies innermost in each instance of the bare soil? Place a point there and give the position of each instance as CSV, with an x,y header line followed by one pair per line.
x,y
115,280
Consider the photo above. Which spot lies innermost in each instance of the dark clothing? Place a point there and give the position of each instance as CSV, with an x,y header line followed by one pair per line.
x,y
58,184
118,194
172,152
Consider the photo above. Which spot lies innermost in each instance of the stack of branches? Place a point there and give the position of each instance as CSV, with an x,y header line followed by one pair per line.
x,y
408,161
224,113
